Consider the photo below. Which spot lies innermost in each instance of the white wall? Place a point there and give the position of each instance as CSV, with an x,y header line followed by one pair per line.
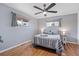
x,y
68,22
78,28
14,35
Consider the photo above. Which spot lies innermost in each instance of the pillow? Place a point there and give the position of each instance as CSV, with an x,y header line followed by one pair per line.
x,y
51,30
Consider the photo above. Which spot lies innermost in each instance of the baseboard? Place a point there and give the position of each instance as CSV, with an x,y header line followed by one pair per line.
x,y
14,46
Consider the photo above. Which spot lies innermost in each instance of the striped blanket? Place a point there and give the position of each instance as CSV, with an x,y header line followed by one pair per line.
x,y
53,43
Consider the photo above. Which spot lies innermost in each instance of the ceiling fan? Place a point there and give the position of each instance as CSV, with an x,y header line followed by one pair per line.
x,y
45,10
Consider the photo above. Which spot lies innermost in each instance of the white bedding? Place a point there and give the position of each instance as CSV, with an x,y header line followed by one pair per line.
x,y
48,36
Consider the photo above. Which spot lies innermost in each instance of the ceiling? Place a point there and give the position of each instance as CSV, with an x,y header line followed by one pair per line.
x,y
62,8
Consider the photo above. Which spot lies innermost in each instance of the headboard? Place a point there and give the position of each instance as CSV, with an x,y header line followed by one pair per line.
x,y
53,28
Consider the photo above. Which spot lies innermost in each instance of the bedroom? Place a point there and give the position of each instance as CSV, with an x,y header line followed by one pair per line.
x,y
17,40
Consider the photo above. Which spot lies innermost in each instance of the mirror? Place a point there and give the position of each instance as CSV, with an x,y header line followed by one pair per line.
x,y
18,20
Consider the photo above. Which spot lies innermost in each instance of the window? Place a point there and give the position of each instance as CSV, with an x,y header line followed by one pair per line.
x,y
55,23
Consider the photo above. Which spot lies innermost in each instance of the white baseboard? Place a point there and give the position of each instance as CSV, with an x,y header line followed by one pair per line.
x,y
14,46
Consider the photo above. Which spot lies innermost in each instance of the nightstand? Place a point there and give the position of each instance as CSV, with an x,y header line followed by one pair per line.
x,y
64,39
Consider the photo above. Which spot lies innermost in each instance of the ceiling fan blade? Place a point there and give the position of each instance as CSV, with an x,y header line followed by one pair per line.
x,y
50,6
38,8
38,13
52,11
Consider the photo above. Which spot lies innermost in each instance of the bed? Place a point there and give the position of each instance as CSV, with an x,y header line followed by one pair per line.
x,y
50,38
49,41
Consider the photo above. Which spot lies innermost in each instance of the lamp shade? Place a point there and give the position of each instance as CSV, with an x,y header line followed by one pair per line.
x,y
63,31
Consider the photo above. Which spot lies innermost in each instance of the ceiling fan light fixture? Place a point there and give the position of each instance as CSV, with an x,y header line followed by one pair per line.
x,y
44,12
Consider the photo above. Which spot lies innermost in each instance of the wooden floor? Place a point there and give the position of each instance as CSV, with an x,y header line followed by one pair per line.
x,y
29,50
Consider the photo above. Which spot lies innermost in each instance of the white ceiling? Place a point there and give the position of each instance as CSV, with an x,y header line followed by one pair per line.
x,y
62,8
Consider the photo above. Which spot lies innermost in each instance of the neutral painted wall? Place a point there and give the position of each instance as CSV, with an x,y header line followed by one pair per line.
x,y
78,28
68,22
14,35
